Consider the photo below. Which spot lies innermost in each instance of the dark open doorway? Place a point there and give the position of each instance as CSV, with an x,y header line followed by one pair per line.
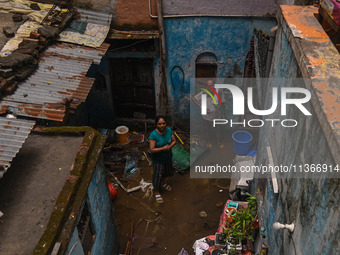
x,y
133,87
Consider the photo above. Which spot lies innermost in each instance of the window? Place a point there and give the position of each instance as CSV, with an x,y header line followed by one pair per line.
x,y
206,65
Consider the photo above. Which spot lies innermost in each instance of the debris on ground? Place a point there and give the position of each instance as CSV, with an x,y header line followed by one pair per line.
x,y
147,158
199,247
143,242
203,214
219,204
183,252
131,171
136,138
141,204
125,189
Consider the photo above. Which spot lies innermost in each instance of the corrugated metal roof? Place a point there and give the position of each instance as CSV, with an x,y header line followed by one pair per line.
x,y
97,28
58,83
12,136
94,17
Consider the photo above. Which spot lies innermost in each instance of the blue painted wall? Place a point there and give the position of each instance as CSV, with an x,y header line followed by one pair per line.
x,y
312,204
186,38
100,205
75,247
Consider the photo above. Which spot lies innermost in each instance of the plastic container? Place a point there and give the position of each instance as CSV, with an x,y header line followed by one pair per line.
x,y
113,191
242,141
204,246
230,213
123,135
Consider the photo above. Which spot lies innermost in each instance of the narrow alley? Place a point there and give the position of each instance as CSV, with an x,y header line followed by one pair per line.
x,y
102,101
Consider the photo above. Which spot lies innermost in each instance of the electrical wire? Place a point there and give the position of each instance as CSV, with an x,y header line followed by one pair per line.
x,y
126,46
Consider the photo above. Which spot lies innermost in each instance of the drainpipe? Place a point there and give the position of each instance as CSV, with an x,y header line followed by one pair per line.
x,y
152,16
163,56
270,50
161,28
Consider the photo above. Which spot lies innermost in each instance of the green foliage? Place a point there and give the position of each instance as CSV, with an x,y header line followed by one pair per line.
x,y
243,224
252,203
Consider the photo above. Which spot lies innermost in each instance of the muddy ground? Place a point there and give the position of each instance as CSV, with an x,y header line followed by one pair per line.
x,y
176,223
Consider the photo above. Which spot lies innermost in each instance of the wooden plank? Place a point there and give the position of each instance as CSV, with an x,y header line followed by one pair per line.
x,y
273,174
56,248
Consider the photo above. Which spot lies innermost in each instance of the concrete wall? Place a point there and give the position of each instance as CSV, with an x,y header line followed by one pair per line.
x,y
222,7
227,7
134,14
98,198
228,38
139,10
102,213
312,204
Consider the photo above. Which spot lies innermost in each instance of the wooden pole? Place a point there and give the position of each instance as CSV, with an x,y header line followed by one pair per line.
x,y
163,57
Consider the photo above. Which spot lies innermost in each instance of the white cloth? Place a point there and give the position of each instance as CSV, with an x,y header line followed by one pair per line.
x,y
197,248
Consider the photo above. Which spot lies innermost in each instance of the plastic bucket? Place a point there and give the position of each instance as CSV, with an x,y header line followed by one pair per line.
x,y
123,135
242,141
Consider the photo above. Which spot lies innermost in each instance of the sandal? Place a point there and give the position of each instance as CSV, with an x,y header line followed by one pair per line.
x,y
159,198
166,187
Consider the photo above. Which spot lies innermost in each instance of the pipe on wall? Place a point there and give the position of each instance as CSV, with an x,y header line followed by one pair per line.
x,y
163,57
161,28
270,50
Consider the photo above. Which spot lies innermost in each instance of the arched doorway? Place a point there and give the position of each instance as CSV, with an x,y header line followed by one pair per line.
x,y
206,65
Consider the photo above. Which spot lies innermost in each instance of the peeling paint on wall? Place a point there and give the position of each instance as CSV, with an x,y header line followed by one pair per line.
x,y
226,37
311,204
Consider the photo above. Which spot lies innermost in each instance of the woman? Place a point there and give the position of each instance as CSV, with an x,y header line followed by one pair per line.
x,y
161,141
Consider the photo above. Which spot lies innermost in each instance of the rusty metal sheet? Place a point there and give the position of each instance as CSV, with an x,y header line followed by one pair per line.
x,y
13,133
117,34
97,26
95,17
58,84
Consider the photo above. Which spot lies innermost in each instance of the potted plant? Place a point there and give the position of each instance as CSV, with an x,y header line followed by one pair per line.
x,y
220,241
241,227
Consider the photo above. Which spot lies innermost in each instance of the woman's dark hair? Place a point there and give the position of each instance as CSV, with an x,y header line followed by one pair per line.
x,y
158,118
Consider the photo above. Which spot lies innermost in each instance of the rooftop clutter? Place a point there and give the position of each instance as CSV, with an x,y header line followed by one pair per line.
x,y
21,63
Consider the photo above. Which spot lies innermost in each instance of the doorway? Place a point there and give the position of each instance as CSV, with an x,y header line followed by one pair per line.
x,y
133,87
